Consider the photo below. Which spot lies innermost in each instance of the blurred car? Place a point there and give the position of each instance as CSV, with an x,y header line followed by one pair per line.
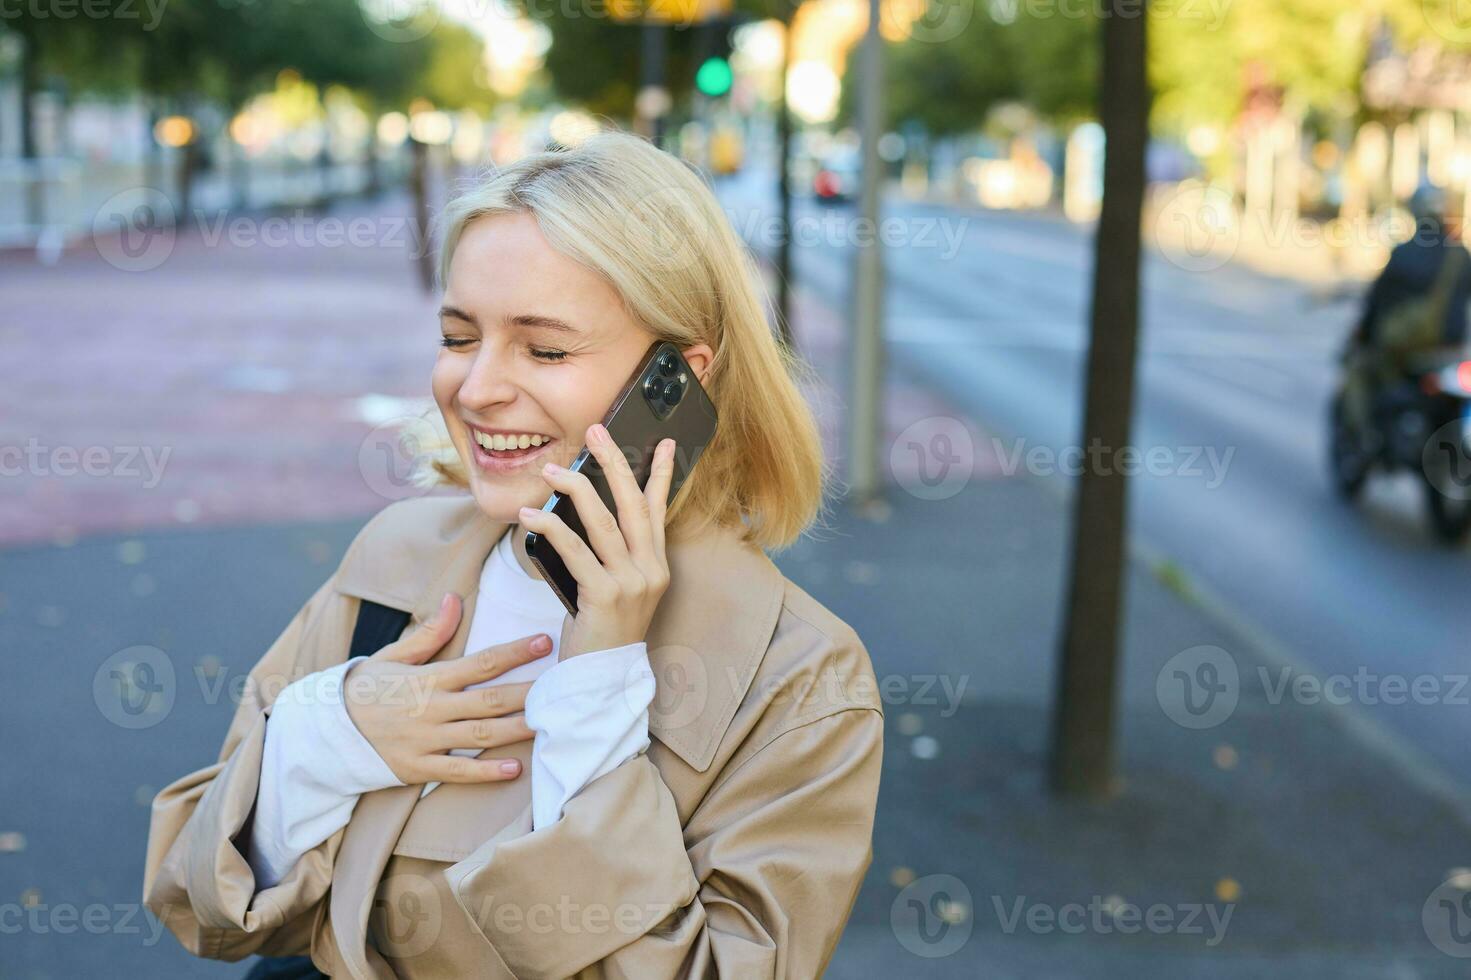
x,y
838,178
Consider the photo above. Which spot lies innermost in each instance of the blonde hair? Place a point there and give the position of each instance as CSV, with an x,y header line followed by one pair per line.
x,y
646,223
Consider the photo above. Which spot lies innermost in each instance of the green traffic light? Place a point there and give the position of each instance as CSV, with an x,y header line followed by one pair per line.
x,y
714,77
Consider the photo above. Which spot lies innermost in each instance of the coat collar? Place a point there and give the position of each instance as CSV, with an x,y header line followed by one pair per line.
x,y
705,642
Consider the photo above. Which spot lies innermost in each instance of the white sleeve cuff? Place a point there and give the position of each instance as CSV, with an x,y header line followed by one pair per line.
x,y
590,714
314,767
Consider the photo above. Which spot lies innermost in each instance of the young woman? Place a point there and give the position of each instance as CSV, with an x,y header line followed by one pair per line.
x,y
679,780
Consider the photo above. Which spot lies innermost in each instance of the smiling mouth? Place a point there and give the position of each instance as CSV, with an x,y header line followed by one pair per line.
x,y
516,453
507,448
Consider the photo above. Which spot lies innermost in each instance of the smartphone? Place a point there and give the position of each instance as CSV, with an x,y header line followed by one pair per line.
x,y
662,399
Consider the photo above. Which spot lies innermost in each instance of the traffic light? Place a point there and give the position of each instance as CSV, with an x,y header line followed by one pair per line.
x,y
713,77
712,48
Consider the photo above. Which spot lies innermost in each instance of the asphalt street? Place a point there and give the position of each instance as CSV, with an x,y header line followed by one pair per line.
x,y
298,353
1235,372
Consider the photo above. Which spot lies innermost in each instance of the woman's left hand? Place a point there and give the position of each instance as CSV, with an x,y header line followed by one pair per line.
x,y
619,586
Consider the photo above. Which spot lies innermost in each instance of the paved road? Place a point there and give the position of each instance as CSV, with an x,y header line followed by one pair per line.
x,y
1290,814
1235,370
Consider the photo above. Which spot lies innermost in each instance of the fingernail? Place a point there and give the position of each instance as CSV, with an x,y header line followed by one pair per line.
x,y
599,433
551,468
511,768
527,511
541,644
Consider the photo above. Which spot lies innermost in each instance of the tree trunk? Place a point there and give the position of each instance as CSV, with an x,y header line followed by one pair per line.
x,y
419,186
1083,719
374,186
239,176
30,86
324,195
188,166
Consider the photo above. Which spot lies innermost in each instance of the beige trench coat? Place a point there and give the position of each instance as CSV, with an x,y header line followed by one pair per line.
x,y
733,847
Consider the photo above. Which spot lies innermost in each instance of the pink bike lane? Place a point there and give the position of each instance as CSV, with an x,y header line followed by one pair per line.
x,y
259,377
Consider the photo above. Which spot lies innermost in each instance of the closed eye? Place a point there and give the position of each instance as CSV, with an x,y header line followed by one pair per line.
x,y
543,354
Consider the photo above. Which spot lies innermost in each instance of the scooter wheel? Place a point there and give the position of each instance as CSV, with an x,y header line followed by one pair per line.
x,y
1348,463
1450,516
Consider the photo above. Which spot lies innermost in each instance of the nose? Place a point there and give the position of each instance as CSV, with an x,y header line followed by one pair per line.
x,y
490,380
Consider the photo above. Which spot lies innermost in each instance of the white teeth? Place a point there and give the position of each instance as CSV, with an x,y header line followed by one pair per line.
x,y
504,442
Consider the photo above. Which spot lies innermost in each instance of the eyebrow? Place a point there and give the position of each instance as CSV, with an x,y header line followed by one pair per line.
x,y
531,320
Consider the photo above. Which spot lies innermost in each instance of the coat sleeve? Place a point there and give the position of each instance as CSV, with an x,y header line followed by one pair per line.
x,y
759,883
196,879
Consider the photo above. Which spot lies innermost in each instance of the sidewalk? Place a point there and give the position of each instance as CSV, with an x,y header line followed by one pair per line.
x,y
1199,229
1269,843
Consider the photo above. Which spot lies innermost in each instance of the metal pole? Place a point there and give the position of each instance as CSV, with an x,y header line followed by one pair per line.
x,y
653,79
784,191
865,410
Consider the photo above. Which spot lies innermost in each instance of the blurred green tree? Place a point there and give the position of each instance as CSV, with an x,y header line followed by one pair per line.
x,y
1205,60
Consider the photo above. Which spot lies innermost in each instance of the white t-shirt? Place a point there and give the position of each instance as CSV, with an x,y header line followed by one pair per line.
x,y
590,714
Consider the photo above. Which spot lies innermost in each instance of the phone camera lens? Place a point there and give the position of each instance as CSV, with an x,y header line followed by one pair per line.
x,y
673,393
654,388
668,363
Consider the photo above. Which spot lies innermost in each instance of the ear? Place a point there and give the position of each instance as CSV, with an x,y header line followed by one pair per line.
x,y
699,357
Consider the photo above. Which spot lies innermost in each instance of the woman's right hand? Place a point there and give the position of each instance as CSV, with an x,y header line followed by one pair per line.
x,y
413,712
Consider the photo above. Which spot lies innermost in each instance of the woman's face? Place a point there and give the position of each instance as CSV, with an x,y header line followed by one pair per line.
x,y
535,345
